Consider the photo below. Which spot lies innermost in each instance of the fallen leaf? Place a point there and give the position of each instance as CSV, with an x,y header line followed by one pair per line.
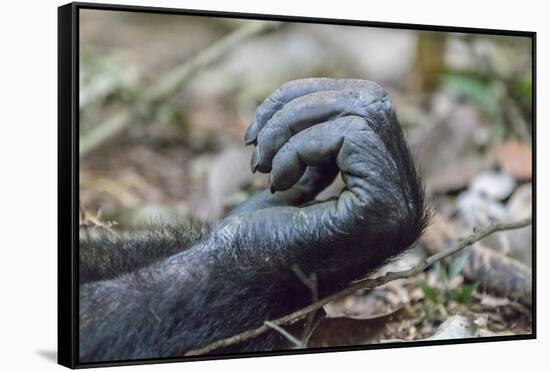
x,y
516,159
493,301
379,302
456,175
456,327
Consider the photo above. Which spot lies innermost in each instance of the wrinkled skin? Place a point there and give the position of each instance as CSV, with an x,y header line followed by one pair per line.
x,y
184,287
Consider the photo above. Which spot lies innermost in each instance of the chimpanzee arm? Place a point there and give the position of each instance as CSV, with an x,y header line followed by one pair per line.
x,y
109,255
241,275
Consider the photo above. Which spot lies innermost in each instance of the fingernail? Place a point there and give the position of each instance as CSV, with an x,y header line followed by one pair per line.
x,y
271,187
255,160
250,135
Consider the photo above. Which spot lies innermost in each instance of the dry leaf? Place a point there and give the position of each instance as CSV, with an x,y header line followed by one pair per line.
x,y
516,159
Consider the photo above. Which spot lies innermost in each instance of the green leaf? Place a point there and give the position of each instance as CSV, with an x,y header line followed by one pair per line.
x,y
473,89
451,294
429,292
466,295
524,88
458,264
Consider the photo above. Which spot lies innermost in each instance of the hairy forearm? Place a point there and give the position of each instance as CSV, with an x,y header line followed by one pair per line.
x,y
107,255
163,298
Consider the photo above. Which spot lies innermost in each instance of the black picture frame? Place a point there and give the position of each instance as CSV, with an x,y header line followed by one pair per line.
x,y
68,176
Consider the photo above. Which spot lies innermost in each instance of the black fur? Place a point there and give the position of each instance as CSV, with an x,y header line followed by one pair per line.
x,y
152,296
109,255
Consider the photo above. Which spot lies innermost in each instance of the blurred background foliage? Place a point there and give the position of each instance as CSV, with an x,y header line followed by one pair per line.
x,y
165,101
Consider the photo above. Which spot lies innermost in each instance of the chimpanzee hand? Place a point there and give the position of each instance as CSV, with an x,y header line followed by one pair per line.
x,y
306,132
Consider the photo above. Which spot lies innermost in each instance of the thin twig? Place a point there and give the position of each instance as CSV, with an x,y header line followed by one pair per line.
x,y
479,233
311,283
316,318
285,333
170,83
